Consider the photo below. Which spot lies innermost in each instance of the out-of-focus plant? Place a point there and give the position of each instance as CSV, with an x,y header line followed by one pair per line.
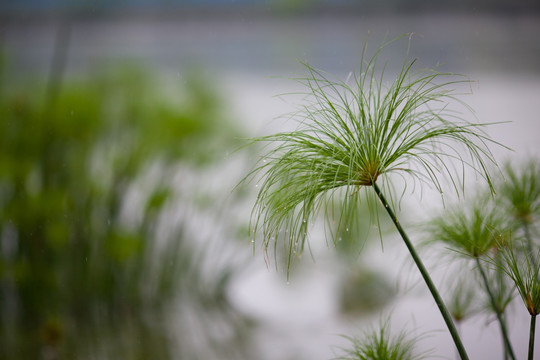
x,y
363,289
473,231
92,258
381,344
462,295
520,194
522,269
504,248
352,136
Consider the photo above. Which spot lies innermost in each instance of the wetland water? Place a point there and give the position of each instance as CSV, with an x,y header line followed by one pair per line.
x,y
242,52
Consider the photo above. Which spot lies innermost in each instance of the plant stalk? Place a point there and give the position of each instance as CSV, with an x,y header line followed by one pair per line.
x,y
531,337
507,344
427,278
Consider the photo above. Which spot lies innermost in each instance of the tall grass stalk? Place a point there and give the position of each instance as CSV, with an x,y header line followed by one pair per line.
x,y
351,135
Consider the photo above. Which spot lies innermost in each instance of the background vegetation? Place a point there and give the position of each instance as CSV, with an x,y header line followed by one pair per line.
x,y
94,256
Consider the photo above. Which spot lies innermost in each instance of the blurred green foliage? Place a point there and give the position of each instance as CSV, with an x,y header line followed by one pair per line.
x,y
84,272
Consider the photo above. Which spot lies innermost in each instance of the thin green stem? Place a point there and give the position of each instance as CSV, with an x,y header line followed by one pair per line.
x,y
458,328
506,352
531,337
507,344
431,286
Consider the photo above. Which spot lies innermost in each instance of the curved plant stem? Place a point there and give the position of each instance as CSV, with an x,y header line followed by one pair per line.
x,y
507,345
434,292
531,337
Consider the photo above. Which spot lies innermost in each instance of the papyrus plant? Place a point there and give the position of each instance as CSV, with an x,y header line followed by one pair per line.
x,y
500,235
381,344
522,268
472,231
351,135
520,195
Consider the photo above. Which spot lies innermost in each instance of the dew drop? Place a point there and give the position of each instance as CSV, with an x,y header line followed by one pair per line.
x,y
347,229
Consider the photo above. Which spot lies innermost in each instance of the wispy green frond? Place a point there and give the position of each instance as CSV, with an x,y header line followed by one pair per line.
x,y
381,344
352,133
521,190
471,230
524,272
